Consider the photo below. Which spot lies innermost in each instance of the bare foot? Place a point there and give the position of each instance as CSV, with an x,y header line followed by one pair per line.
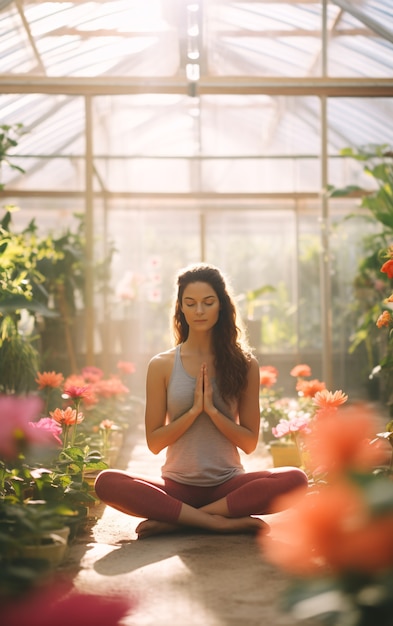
x,y
151,527
224,525
241,525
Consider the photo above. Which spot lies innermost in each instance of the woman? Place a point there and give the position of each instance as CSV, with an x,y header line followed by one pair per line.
x,y
202,404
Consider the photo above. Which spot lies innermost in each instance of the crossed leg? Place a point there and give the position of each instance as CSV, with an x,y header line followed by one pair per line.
x,y
170,506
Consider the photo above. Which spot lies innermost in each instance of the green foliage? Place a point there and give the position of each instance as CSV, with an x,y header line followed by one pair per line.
x,y
371,286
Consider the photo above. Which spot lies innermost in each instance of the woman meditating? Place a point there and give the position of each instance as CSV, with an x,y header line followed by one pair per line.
x,y
202,405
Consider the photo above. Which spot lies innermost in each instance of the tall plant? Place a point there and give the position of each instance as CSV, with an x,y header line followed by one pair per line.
x,y
371,287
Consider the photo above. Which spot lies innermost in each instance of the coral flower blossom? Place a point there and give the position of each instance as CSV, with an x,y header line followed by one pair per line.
x,y
300,370
328,400
268,375
387,268
308,388
384,319
67,417
49,379
330,530
336,445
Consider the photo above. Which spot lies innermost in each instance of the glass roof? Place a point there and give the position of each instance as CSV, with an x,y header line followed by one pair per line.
x,y
195,90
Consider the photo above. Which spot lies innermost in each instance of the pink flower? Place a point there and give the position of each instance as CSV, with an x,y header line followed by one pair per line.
x,y
76,392
126,367
291,425
91,373
48,426
15,430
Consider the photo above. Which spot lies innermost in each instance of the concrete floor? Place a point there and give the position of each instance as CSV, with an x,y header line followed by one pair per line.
x,y
187,579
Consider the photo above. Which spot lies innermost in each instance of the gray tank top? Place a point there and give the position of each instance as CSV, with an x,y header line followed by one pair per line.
x,y
202,456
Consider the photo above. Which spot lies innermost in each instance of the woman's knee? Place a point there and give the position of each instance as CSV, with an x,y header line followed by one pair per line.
x,y
104,484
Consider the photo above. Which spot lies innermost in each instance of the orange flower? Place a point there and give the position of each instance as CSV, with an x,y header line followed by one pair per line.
x,y
267,375
75,380
390,299
300,370
66,417
330,529
384,319
387,268
49,379
308,388
327,400
335,445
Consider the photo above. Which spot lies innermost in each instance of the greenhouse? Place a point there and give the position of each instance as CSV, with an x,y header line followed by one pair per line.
x,y
139,137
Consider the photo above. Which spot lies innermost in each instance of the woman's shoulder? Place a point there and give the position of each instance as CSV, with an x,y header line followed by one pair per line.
x,y
162,361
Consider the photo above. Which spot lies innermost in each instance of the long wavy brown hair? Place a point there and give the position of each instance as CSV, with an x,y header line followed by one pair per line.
x,y
231,350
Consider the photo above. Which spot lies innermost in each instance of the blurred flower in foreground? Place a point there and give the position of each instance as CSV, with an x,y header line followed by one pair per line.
x,y
336,542
52,607
332,530
340,443
16,433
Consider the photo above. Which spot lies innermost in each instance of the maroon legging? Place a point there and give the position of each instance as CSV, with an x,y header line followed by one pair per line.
x,y
251,493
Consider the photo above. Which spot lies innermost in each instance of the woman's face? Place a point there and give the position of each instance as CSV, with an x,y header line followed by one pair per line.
x,y
200,306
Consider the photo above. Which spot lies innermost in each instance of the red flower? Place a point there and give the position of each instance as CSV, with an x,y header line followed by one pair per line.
x,y
387,268
49,379
300,370
51,605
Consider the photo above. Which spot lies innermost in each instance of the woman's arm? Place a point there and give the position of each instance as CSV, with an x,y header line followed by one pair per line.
x,y
160,433
244,434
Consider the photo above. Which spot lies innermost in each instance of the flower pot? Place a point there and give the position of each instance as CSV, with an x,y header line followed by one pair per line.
x,y
51,547
284,453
